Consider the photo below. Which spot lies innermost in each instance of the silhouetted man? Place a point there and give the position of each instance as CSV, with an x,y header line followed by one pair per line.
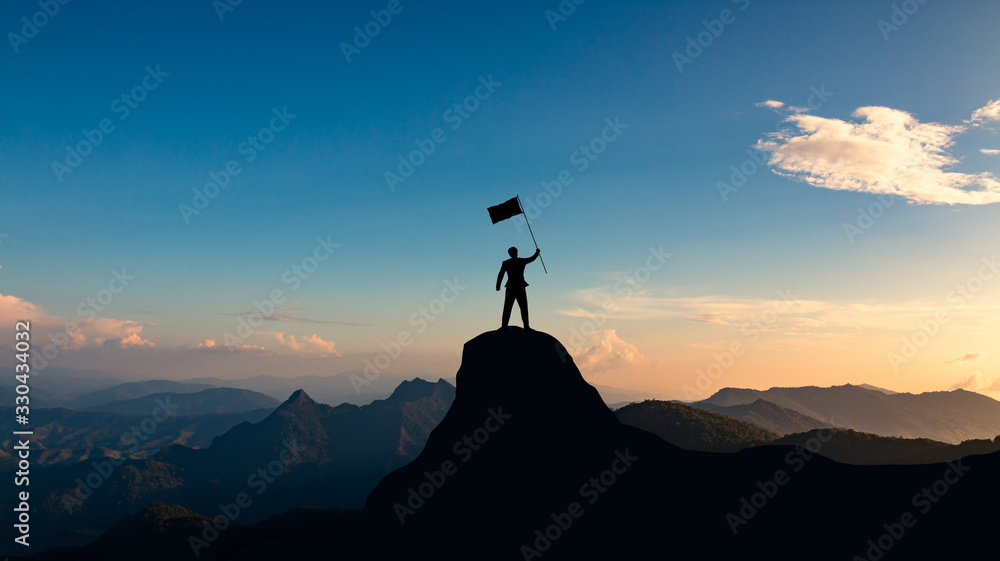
x,y
514,268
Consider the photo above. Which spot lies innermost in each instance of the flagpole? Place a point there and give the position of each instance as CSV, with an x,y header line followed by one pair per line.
x,y
530,232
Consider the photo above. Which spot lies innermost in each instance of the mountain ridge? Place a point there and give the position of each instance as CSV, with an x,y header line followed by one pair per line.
x,y
302,453
132,390
208,400
946,416
767,415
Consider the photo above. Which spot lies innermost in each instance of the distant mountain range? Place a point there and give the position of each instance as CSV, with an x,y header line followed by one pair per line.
x,y
66,437
135,428
211,400
131,390
302,453
692,428
334,390
944,416
58,386
876,388
64,387
618,397
852,447
764,414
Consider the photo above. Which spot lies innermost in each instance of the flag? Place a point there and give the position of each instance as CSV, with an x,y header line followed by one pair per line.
x,y
505,210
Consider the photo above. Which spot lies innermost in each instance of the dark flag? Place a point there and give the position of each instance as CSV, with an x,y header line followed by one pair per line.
x,y
505,210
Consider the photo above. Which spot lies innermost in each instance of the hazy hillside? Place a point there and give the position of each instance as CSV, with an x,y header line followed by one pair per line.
x,y
692,428
132,390
60,385
618,396
63,436
310,454
696,429
766,415
212,400
852,447
331,390
944,416
877,389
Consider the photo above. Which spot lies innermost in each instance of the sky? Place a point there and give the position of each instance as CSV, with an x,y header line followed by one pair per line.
x,y
725,193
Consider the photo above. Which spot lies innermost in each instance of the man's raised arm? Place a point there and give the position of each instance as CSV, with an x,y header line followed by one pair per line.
x,y
500,276
533,257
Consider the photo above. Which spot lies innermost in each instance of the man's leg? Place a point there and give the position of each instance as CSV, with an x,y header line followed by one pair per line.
x,y
522,302
508,304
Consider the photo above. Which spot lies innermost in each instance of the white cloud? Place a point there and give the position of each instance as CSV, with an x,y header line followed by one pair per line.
x,y
134,340
14,307
772,104
321,345
887,152
979,382
74,333
606,352
991,112
781,107
990,151
312,344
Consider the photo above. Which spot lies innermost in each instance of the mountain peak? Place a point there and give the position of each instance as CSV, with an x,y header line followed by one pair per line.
x,y
499,366
411,390
525,429
297,401
877,389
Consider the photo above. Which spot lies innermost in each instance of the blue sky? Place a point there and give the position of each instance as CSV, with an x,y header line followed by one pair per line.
x,y
655,184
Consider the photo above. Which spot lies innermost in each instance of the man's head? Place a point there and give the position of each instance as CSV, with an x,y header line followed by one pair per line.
x,y
512,252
